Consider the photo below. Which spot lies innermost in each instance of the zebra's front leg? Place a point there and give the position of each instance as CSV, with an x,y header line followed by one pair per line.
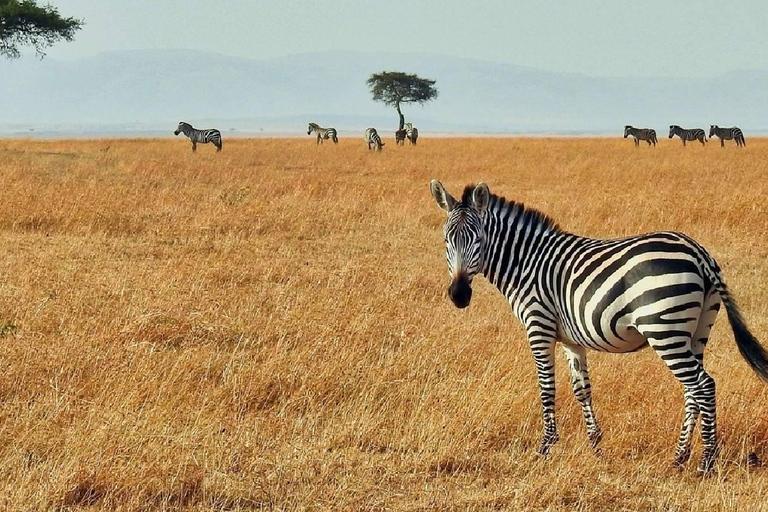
x,y
543,348
194,146
582,389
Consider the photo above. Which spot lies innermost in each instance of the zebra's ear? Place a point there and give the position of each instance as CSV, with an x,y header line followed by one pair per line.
x,y
481,196
442,197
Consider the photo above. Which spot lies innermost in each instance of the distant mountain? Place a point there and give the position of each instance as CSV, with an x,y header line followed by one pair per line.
x,y
152,90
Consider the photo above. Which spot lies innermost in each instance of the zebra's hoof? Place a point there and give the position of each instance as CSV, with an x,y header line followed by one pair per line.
x,y
707,464
595,437
681,457
753,460
546,444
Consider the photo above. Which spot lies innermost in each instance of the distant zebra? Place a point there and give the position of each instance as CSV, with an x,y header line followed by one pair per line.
x,y
687,134
661,290
412,133
211,135
646,134
373,139
323,133
733,133
400,137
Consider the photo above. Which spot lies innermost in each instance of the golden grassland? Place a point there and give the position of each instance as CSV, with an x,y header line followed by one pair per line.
x,y
268,328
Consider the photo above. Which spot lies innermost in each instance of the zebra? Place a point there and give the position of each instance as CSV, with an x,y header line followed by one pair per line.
x,y
646,134
323,133
373,139
724,134
659,289
202,136
687,134
400,137
412,133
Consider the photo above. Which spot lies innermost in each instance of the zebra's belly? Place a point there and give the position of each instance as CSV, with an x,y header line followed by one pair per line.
x,y
626,338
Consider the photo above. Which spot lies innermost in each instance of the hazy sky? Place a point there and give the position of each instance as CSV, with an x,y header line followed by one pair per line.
x,y
605,38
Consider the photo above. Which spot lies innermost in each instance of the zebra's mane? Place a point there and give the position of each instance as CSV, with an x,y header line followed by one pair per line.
x,y
528,216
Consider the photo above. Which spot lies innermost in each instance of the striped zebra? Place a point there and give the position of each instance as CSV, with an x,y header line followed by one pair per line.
x,y
323,133
400,137
412,133
660,289
373,139
202,136
687,134
646,134
733,133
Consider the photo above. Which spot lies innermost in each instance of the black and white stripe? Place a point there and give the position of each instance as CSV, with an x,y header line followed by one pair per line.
x,y
373,139
732,133
323,133
660,289
412,133
687,134
211,135
646,134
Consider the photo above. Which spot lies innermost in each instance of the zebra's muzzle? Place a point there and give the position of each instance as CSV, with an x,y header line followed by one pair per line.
x,y
176,132
460,291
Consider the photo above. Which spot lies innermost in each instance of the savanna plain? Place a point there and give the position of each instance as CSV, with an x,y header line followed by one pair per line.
x,y
268,328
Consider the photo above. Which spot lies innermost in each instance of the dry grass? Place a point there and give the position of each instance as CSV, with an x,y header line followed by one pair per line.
x,y
268,328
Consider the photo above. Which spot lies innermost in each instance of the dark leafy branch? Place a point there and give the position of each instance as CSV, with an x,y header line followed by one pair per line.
x,y
24,23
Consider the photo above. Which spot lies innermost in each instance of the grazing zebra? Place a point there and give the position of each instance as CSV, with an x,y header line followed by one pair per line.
x,y
373,139
687,134
660,289
202,136
646,134
400,137
323,133
733,133
412,133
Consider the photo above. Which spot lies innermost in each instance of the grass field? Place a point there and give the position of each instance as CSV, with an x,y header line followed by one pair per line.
x,y
268,328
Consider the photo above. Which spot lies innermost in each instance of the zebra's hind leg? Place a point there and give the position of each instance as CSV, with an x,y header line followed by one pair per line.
x,y
677,352
582,389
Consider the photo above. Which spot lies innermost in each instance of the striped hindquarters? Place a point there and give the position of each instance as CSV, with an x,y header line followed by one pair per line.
x,y
608,291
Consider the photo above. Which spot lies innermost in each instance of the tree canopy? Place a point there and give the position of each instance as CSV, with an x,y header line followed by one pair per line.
x,y
393,88
24,23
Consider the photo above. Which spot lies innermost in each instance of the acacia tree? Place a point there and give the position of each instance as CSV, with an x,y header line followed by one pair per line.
x,y
393,88
24,23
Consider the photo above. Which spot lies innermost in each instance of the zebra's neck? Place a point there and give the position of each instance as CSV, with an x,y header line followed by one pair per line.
x,y
517,240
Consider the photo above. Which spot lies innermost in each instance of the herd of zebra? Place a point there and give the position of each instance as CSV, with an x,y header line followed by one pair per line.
x,y
410,132
687,134
372,137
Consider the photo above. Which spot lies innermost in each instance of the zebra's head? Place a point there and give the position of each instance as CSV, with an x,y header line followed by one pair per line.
x,y
712,129
626,130
310,127
180,128
464,237
672,129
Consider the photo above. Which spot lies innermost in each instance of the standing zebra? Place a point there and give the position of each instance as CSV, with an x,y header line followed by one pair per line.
x,y
323,133
202,136
733,133
412,133
687,134
400,137
646,134
373,139
660,289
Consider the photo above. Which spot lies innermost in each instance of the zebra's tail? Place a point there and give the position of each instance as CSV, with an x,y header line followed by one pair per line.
x,y
749,347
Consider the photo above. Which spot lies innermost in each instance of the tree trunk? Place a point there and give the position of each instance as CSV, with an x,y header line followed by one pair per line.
x,y
402,117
